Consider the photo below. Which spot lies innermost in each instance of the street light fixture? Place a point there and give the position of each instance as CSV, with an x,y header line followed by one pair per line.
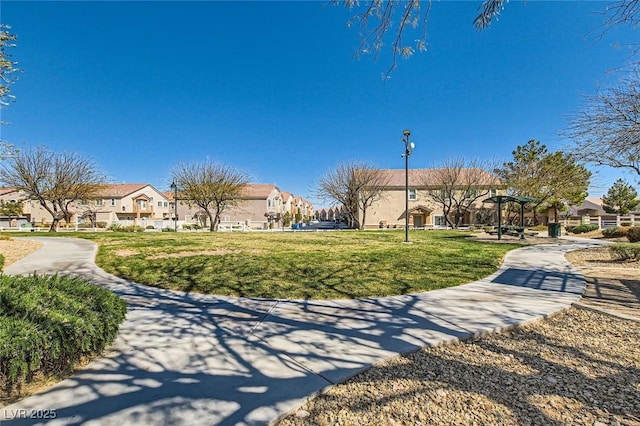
x,y
175,205
408,149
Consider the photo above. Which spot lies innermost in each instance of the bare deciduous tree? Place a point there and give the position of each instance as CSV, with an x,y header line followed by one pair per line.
x,y
376,18
210,186
356,186
606,131
56,180
457,184
7,66
7,77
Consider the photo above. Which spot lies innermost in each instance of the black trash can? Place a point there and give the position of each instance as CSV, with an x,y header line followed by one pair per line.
x,y
554,229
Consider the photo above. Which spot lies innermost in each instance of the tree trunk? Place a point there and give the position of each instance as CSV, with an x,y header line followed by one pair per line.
x,y
54,225
213,221
364,216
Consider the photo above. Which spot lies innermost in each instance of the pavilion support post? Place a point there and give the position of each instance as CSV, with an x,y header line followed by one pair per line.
x,y
522,220
499,218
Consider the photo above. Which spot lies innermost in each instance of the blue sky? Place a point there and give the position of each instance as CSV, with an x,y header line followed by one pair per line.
x,y
271,87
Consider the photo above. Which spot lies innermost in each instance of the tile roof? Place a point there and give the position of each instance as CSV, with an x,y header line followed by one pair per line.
x,y
259,190
119,190
420,177
4,191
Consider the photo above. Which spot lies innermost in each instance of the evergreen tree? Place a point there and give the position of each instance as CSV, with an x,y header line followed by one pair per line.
x,y
621,198
554,179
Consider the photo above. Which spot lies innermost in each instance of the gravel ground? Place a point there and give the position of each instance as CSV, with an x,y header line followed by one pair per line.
x,y
578,367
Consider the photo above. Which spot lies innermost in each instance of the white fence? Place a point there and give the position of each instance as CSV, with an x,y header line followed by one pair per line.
x,y
605,222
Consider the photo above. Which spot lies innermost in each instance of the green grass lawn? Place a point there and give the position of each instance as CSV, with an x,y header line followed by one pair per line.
x,y
297,265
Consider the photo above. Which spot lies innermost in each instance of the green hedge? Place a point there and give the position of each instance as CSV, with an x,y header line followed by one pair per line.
x,y
625,251
633,234
615,232
48,323
581,229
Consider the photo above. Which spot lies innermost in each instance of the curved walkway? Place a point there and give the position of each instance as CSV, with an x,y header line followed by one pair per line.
x,y
189,359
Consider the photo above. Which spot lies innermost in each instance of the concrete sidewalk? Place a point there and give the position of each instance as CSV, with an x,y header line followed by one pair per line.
x,y
189,359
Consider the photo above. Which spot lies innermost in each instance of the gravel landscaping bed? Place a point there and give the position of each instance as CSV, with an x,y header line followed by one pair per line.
x,y
578,367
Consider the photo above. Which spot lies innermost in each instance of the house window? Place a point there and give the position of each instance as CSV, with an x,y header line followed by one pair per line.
x,y
493,192
439,221
413,195
99,202
166,203
159,203
113,202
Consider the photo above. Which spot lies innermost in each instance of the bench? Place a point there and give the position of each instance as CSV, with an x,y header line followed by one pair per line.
x,y
514,231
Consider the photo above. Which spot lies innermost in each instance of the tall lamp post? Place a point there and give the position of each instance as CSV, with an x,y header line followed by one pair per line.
x,y
408,148
175,205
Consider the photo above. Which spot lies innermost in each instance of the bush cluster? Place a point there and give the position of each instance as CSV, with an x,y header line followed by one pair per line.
x,y
615,232
581,229
49,322
88,225
633,234
625,251
194,226
1,262
116,227
168,230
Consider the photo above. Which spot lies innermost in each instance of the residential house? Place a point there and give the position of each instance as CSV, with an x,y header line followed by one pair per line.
x,y
29,210
260,207
424,212
139,204
128,203
288,204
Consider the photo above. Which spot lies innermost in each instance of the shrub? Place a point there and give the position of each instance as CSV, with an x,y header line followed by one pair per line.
x,y
625,251
633,234
168,230
488,228
1,262
48,323
150,227
114,227
581,229
615,232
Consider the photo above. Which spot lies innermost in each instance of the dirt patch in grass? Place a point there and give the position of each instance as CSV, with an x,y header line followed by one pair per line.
x,y
217,252
125,253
